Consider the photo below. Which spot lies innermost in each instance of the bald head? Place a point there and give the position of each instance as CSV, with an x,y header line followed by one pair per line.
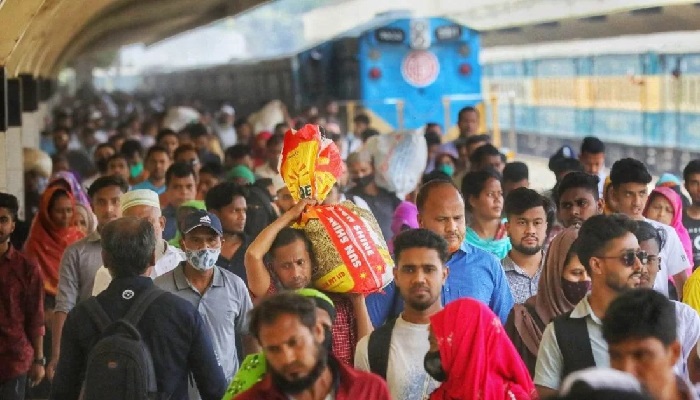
x,y
128,246
439,185
441,210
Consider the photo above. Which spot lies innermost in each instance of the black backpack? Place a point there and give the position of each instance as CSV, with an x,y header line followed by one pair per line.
x,y
378,348
120,366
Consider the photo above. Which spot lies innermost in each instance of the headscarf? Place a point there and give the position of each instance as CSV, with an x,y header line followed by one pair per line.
x,y
477,355
76,189
677,221
405,215
549,302
47,241
196,204
241,171
90,218
498,246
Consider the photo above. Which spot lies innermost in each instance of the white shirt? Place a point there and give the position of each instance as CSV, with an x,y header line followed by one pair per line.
x,y
167,262
264,171
405,375
673,258
227,135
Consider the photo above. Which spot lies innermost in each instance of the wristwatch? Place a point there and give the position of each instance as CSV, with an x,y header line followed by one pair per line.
x,y
40,361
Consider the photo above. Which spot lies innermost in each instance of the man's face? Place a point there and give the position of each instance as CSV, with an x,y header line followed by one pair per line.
x,y
610,267
102,155
233,216
292,265
201,238
360,169
592,162
191,158
528,230
443,213
157,164
7,225
285,201
60,140
119,167
630,199
692,185
150,214
576,205
468,123
106,204
495,162
651,268
206,182
170,142
180,190
419,275
648,359
510,186
273,155
294,353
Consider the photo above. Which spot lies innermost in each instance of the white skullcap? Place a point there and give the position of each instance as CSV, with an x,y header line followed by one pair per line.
x,y
139,197
227,109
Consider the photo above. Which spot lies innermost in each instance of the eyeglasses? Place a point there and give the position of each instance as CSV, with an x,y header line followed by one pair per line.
x,y
653,261
628,257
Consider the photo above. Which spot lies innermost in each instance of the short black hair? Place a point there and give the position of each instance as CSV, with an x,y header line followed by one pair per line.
x,y
474,139
693,167
566,164
103,145
368,133
361,118
646,231
597,232
289,235
466,110
579,179
427,187
156,149
238,151
165,132
107,181
178,170
10,202
131,147
289,303
212,168
592,145
118,156
422,238
474,182
196,130
629,170
432,138
522,199
640,314
183,148
487,150
222,195
128,245
515,171
274,140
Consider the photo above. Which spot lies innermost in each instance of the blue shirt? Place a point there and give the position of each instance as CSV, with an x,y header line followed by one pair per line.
x,y
169,212
149,185
478,274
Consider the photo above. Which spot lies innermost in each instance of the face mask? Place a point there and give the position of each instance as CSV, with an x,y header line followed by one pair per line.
x,y
448,169
101,164
204,259
575,291
136,170
364,180
433,366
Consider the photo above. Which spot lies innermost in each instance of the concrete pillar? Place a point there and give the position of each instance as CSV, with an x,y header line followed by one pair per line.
x,y
14,166
32,124
3,162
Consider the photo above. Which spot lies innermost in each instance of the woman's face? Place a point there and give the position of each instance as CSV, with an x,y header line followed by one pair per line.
x,y
61,211
574,271
489,204
660,209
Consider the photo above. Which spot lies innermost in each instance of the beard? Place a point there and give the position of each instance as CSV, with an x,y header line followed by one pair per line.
x,y
527,250
420,304
298,385
620,286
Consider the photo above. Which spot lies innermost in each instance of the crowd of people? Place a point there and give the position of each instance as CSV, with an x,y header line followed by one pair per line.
x,y
179,231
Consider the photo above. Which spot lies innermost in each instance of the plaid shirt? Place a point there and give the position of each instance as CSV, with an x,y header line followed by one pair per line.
x,y
344,328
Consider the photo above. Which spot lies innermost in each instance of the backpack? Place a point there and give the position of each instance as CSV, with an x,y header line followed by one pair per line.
x,y
120,366
574,343
378,348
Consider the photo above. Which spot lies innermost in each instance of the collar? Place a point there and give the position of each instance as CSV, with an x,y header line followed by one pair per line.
x,y
181,282
11,252
465,248
510,265
583,309
93,237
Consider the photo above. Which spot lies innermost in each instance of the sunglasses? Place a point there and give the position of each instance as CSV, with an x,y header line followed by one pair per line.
x,y
628,257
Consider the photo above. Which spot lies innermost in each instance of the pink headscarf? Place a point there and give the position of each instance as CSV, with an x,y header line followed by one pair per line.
x,y
405,215
677,221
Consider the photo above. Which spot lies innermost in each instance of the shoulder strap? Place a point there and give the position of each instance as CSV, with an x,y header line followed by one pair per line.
x,y
574,343
97,314
378,348
141,304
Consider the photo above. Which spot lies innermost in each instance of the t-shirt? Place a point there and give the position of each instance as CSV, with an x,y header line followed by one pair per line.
x,y
405,375
673,258
693,227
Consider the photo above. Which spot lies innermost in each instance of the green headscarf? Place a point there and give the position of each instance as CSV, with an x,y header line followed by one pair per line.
x,y
241,171
192,204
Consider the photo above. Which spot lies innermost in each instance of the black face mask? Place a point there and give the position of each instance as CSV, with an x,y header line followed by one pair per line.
x,y
101,165
575,291
363,181
433,366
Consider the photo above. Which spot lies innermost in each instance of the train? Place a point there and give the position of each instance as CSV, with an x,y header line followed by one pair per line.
x,y
639,94
402,73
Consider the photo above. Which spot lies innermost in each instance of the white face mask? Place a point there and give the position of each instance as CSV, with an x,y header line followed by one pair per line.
x,y
204,259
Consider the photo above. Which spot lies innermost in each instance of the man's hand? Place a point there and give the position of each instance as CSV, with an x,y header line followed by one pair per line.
x,y
294,213
36,374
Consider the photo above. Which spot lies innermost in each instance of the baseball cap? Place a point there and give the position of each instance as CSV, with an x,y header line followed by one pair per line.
x,y
201,218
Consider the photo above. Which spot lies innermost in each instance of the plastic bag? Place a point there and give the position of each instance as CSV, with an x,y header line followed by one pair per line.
x,y
351,253
399,160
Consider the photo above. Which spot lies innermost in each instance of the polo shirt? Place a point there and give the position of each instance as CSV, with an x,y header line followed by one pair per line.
x,y
522,285
224,308
147,184
478,274
236,263
76,273
171,328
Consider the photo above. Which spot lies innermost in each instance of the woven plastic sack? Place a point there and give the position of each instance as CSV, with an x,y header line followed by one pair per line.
x,y
399,160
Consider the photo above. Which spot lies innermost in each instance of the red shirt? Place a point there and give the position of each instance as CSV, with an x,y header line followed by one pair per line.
x,y
344,327
349,383
21,313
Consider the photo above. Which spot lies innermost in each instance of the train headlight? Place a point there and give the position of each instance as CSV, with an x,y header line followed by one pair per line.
x,y
375,73
465,69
